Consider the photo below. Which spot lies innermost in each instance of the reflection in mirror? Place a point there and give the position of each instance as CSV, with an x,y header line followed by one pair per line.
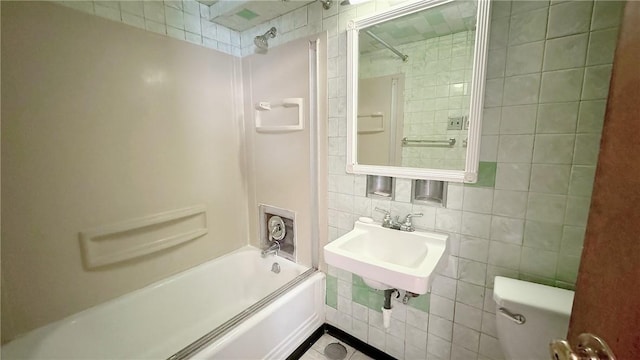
x,y
415,87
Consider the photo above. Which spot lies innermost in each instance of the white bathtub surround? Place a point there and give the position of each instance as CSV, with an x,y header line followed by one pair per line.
x,y
286,167
161,319
144,75
133,139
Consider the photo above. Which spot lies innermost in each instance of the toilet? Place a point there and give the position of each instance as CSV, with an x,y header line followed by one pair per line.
x,y
529,316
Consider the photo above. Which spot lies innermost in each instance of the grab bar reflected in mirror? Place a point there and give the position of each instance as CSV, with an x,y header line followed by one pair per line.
x,y
444,143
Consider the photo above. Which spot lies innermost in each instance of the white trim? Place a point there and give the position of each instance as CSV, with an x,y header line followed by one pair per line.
x,y
314,156
352,97
393,121
395,12
409,173
477,89
470,173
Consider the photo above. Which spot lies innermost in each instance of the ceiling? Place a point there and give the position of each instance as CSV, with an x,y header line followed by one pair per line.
x,y
442,20
241,15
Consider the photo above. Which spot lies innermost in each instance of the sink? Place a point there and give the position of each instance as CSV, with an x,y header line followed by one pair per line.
x,y
389,259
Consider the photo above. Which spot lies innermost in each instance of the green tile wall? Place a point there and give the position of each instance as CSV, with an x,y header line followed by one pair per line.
x,y
364,295
374,299
548,69
332,291
421,302
359,291
486,174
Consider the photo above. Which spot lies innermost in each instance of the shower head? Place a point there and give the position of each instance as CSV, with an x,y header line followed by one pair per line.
x,y
262,42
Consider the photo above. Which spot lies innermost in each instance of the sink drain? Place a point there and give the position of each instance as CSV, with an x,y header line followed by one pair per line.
x,y
335,351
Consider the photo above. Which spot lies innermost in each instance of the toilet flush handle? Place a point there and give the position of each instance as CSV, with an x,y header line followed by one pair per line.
x,y
516,318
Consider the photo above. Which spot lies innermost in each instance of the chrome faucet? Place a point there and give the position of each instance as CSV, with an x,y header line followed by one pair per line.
x,y
273,249
387,222
405,225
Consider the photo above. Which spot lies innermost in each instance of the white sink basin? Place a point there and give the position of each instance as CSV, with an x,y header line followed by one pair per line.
x,y
388,259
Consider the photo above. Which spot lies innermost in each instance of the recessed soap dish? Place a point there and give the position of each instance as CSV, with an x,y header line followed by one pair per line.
x,y
429,192
381,187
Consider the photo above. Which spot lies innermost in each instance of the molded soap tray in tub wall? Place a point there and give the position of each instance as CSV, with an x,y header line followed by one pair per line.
x,y
387,258
266,106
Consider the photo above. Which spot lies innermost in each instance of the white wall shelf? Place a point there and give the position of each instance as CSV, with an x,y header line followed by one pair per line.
x,y
264,106
130,239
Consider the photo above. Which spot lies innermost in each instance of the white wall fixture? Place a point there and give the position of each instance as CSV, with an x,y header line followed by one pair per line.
x,y
263,106
126,240
390,259
286,237
476,92
382,187
431,192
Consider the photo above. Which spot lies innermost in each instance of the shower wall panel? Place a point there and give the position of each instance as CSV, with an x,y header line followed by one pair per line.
x,y
283,166
380,129
103,123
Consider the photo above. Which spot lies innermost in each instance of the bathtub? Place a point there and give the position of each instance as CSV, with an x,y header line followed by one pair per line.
x,y
233,307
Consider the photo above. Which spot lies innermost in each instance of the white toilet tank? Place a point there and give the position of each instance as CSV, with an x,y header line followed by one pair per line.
x,y
546,312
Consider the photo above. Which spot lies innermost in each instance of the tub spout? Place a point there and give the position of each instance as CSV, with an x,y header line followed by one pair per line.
x,y
273,249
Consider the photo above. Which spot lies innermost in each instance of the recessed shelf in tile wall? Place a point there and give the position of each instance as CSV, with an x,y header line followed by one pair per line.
x,y
381,187
430,192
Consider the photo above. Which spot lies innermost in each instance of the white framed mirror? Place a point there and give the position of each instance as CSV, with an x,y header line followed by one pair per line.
x,y
415,89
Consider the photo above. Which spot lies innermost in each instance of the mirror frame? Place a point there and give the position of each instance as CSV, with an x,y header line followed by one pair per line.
x,y
470,173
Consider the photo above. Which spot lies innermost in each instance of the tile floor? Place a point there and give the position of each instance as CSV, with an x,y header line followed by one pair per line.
x,y
317,350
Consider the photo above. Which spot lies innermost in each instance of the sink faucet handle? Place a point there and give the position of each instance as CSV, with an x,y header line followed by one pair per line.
x,y
408,218
386,221
407,225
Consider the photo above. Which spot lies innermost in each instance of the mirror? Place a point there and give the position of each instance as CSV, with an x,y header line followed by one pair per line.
x,y
415,87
